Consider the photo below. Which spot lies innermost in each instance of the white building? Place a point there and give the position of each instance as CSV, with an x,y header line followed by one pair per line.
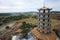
x,y
44,20
16,37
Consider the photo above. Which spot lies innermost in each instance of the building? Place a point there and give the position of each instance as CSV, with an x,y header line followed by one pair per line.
x,y
16,37
9,33
44,31
44,20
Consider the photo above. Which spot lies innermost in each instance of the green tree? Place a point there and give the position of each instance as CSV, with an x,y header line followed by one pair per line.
x,y
7,27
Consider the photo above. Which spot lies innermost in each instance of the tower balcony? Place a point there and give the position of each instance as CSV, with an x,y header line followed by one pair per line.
x,y
45,21
45,18
44,13
45,26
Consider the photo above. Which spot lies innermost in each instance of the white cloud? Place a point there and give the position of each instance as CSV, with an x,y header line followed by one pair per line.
x,y
25,5
20,5
4,7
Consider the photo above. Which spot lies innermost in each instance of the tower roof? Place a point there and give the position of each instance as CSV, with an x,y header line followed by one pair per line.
x,y
45,8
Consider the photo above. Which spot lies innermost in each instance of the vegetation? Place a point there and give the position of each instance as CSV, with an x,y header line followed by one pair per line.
x,y
7,27
26,28
13,18
30,21
0,24
57,32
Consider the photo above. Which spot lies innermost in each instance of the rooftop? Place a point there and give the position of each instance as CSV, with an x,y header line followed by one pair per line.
x,y
39,35
46,8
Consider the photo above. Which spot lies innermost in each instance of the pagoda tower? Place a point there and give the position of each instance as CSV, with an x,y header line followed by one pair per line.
x,y
44,25
44,31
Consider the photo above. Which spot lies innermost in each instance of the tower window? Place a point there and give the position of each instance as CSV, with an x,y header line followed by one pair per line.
x,y
39,19
48,20
39,23
48,15
41,11
43,23
42,31
43,28
39,15
47,28
43,15
48,24
46,32
44,11
43,19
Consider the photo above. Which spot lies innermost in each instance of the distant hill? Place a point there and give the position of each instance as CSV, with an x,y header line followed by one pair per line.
x,y
9,14
17,13
22,13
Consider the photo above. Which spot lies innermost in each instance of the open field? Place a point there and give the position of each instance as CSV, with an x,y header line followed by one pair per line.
x,y
54,23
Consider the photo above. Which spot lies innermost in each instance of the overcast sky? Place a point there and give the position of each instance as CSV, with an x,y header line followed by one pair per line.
x,y
27,5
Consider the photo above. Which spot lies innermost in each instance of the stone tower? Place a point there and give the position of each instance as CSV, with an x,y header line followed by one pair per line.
x,y
44,25
44,31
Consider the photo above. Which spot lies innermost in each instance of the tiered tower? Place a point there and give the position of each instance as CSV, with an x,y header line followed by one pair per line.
x,y
44,25
44,31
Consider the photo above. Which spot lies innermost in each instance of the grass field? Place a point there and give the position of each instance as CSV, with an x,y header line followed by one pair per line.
x,y
54,23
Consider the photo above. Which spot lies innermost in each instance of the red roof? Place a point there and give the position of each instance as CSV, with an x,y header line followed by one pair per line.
x,y
39,35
